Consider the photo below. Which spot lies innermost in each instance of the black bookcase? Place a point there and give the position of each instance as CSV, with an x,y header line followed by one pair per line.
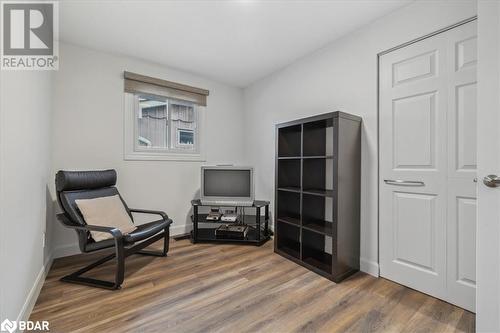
x,y
317,199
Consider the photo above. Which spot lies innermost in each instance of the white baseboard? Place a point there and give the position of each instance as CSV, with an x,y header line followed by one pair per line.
x,y
180,229
368,266
65,250
28,305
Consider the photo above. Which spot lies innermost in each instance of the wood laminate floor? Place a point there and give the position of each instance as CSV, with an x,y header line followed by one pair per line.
x,y
231,288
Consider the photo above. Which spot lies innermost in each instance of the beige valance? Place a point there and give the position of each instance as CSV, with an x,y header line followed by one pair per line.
x,y
136,83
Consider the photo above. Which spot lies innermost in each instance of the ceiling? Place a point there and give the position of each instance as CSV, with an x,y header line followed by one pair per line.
x,y
236,42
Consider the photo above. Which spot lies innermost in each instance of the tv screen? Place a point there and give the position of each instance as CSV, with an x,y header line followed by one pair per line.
x,y
227,183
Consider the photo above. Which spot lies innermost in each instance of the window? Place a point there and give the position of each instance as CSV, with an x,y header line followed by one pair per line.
x,y
185,137
152,123
162,127
183,126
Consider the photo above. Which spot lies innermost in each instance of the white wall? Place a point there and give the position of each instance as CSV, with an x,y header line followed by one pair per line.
x,y
88,133
341,76
25,117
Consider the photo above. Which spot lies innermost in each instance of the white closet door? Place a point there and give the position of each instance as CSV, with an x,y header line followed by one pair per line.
x,y
462,192
413,89
427,165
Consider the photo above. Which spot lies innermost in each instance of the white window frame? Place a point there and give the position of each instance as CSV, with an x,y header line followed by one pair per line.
x,y
134,152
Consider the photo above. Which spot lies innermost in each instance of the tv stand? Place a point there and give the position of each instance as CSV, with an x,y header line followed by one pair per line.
x,y
204,230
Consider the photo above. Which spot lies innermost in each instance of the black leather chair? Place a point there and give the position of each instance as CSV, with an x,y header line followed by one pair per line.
x,y
75,185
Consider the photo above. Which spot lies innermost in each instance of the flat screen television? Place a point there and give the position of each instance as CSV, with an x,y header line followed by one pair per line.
x,y
227,185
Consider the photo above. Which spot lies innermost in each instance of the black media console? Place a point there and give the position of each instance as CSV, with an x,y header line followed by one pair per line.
x,y
258,232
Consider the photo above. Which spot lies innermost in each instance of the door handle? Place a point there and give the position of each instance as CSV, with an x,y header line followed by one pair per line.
x,y
399,182
491,181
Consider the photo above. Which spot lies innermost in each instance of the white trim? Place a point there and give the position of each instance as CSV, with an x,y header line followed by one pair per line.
x,y
28,305
136,156
368,266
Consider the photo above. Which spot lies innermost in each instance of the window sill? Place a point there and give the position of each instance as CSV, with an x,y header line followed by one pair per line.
x,y
146,156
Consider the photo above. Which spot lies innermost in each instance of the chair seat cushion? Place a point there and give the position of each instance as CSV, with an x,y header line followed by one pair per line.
x,y
142,232
146,230
105,212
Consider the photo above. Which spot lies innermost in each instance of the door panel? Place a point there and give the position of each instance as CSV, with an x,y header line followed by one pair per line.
x,y
462,100
465,127
418,67
427,134
414,234
466,52
462,167
461,231
414,131
466,240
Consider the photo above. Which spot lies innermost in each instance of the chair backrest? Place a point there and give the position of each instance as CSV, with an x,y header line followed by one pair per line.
x,y
75,185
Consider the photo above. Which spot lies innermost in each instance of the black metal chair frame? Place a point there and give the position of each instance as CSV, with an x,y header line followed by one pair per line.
x,y
121,252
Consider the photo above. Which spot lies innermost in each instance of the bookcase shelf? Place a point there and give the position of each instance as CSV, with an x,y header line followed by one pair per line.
x,y
312,154
289,158
295,189
319,226
319,192
289,220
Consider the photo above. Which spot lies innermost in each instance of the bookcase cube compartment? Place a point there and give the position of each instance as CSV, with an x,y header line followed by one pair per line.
x,y
317,213
317,176
289,174
318,138
289,207
314,250
289,236
289,141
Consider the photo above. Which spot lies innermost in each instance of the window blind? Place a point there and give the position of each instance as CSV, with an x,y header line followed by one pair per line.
x,y
136,83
